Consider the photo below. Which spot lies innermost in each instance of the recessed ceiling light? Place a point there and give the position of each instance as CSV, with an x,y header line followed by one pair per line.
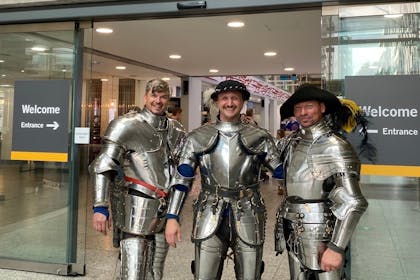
x,y
166,79
174,56
3,75
22,71
270,53
289,69
39,49
63,70
120,67
236,24
1,60
213,70
104,30
104,80
393,16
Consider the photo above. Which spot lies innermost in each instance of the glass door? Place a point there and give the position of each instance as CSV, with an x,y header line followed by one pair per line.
x,y
38,161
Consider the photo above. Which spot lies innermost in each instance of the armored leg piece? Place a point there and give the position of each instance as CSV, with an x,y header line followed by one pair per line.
x,y
248,261
136,258
209,257
161,250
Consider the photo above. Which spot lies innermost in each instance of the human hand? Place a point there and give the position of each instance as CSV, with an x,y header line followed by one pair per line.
x,y
172,232
101,223
331,260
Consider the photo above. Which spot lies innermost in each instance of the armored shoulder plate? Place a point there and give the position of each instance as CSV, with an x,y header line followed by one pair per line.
x,y
331,155
253,138
128,129
203,138
176,132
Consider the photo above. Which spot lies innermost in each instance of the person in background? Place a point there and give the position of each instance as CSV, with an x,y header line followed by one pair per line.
x,y
131,175
229,211
176,114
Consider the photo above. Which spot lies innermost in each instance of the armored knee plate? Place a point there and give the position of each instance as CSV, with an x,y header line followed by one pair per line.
x,y
136,258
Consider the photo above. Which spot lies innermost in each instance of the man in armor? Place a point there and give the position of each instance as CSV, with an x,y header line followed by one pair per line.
x,y
324,201
132,175
229,211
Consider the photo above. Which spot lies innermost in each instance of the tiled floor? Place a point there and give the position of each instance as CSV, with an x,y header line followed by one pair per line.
x,y
384,246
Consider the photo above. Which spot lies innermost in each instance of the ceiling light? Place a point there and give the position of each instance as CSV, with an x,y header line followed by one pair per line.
x,y
3,75
104,30
174,56
213,70
22,71
39,49
289,69
166,79
393,16
6,85
120,67
63,70
270,53
236,24
104,80
1,60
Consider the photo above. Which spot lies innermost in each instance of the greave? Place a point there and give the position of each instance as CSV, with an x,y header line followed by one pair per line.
x,y
161,250
136,258
248,261
209,257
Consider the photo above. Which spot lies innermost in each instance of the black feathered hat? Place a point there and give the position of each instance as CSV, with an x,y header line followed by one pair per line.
x,y
307,93
230,85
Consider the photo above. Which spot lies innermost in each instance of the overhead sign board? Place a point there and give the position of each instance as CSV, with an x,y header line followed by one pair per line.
x,y
40,120
392,107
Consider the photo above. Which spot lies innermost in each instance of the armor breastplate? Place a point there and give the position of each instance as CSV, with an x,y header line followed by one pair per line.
x,y
316,155
299,178
228,165
144,137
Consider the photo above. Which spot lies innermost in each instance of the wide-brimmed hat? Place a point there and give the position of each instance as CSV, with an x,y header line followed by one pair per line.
x,y
307,93
230,85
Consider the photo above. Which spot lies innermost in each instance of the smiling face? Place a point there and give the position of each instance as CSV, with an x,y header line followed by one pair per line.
x,y
156,102
309,113
230,104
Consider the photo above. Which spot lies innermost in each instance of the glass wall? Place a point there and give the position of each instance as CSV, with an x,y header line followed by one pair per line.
x,y
38,208
379,40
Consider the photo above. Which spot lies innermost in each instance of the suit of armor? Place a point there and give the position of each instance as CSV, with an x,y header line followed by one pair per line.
x,y
132,175
229,211
324,201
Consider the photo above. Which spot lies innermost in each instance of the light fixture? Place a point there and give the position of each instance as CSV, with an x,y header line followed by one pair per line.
x,y
213,70
166,79
63,70
270,53
39,49
393,16
236,24
22,71
174,56
3,75
1,60
289,69
104,80
104,30
120,67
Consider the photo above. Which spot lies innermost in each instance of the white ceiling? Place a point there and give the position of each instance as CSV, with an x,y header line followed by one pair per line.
x,y
206,42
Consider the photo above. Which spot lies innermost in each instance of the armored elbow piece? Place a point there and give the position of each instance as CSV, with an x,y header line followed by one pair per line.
x,y
348,206
180,185
103,171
